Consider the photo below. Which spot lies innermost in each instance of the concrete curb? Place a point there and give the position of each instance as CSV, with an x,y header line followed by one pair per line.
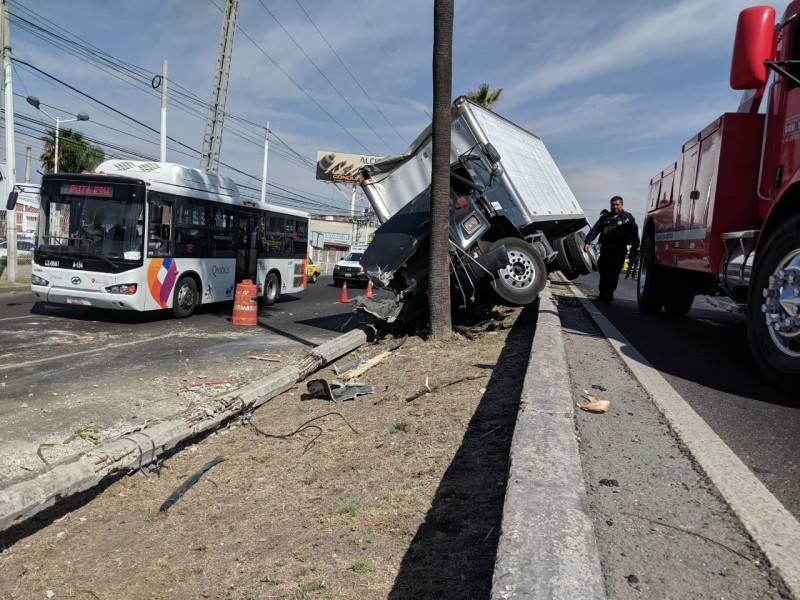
x,y
547,547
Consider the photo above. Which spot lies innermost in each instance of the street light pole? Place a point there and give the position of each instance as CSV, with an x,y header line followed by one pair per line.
x,y
81,116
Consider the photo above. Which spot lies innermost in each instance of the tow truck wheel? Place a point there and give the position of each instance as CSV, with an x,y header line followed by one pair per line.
x,y
650,288
184,300
272,286
773,308
525,276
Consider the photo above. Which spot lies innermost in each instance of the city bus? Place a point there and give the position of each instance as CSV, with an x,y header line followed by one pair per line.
x,y
142,236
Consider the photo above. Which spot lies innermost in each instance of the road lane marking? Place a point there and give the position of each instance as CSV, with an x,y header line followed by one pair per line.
x,y
775,529
72,354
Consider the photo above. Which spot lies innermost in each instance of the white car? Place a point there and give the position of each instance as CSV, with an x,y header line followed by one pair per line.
x,y
24,248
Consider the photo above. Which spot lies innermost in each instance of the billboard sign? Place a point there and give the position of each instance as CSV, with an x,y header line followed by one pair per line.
x,y
341,167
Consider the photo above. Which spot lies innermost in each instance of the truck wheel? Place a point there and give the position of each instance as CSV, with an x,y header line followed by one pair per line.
x,y
272,286
184,299
577,256
774,334
521,281
679,297
563,262
652,279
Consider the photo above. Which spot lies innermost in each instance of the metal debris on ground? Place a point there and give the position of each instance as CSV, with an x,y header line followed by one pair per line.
x,y
350,366
337,391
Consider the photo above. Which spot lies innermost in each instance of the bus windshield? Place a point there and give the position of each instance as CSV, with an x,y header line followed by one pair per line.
x,y
100,219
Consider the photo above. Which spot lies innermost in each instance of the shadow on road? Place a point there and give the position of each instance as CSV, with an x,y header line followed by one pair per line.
x,y
453,553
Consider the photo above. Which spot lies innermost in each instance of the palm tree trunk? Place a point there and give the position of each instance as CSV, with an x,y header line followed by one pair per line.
x,y
439,288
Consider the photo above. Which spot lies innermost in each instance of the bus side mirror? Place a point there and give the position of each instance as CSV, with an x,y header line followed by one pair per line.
x,y
12,200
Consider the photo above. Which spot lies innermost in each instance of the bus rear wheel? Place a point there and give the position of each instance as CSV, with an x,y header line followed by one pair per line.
x,y
272,286
185,299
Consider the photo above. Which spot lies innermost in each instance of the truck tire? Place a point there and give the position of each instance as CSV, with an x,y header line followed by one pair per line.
x,y
777,352
577,256
679,297
651,285
524,278
563,262
185,299
272,288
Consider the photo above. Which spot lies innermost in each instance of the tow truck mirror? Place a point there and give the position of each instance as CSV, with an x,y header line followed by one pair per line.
x,y
12,200
752,46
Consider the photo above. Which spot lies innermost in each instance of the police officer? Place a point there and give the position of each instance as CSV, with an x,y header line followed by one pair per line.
x,y
617,229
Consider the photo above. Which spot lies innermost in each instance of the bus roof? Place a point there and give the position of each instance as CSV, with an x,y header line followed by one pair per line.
x,y
165,174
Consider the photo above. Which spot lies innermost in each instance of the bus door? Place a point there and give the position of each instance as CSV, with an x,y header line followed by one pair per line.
x,y
246,255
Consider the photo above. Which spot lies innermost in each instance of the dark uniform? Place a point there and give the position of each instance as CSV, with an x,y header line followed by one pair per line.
x,y
616,232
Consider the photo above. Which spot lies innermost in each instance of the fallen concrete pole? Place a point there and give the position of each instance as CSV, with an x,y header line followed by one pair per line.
x,y
139,448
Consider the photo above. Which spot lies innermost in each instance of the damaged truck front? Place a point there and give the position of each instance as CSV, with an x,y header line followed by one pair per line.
x,y
513,218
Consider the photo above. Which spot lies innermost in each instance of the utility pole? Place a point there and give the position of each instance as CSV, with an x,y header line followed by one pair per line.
x,y
264,173
164,111
212,141
11,176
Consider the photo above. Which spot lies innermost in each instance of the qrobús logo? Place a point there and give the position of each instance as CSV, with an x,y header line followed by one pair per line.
x,y
220,270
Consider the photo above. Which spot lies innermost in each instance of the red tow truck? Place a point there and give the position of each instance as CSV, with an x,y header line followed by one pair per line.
x,y
724,219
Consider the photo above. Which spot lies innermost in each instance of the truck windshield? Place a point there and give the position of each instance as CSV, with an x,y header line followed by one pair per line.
x,y
81,218
477,169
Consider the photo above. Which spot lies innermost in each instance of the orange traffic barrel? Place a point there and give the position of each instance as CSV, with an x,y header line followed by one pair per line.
x,y
245,304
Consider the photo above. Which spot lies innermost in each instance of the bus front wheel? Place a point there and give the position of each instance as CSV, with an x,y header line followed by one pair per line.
x,y
185,299
272,286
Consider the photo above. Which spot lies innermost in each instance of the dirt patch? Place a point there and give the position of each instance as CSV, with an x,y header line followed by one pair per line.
x,y
382,496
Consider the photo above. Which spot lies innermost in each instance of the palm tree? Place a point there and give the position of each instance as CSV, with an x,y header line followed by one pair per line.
x,y
75,154
439,270
484,96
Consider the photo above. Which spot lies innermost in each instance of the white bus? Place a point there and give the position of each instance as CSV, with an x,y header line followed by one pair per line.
x,y
146,236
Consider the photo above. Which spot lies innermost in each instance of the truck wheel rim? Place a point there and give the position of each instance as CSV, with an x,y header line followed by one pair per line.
x,y
781,306
520,272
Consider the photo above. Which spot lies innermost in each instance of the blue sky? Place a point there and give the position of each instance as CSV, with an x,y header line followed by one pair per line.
x,y
614,88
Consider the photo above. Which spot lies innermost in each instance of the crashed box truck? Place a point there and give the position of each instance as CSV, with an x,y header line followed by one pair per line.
x,y
724,219
513,217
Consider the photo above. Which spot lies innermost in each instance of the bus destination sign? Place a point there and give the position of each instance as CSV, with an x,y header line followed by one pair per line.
x,y
87,189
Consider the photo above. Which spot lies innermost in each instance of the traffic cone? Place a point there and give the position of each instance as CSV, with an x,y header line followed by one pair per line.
x,y
369,289
343,297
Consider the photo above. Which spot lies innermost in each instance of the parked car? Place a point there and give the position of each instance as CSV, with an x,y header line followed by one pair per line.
x,y
313,271
24,247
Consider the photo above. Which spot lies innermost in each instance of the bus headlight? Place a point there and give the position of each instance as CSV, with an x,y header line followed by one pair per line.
x,y
126,289
36,280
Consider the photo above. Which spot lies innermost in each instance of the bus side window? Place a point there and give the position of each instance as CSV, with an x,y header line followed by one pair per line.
x,y
158,234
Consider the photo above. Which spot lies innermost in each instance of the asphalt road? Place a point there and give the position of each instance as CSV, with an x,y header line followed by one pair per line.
x,y
705,358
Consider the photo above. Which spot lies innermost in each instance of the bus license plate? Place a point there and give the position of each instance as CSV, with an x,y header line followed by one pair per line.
x,y
79,301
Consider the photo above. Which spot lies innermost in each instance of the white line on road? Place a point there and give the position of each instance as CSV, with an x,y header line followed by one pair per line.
x,y
774,528
73,354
